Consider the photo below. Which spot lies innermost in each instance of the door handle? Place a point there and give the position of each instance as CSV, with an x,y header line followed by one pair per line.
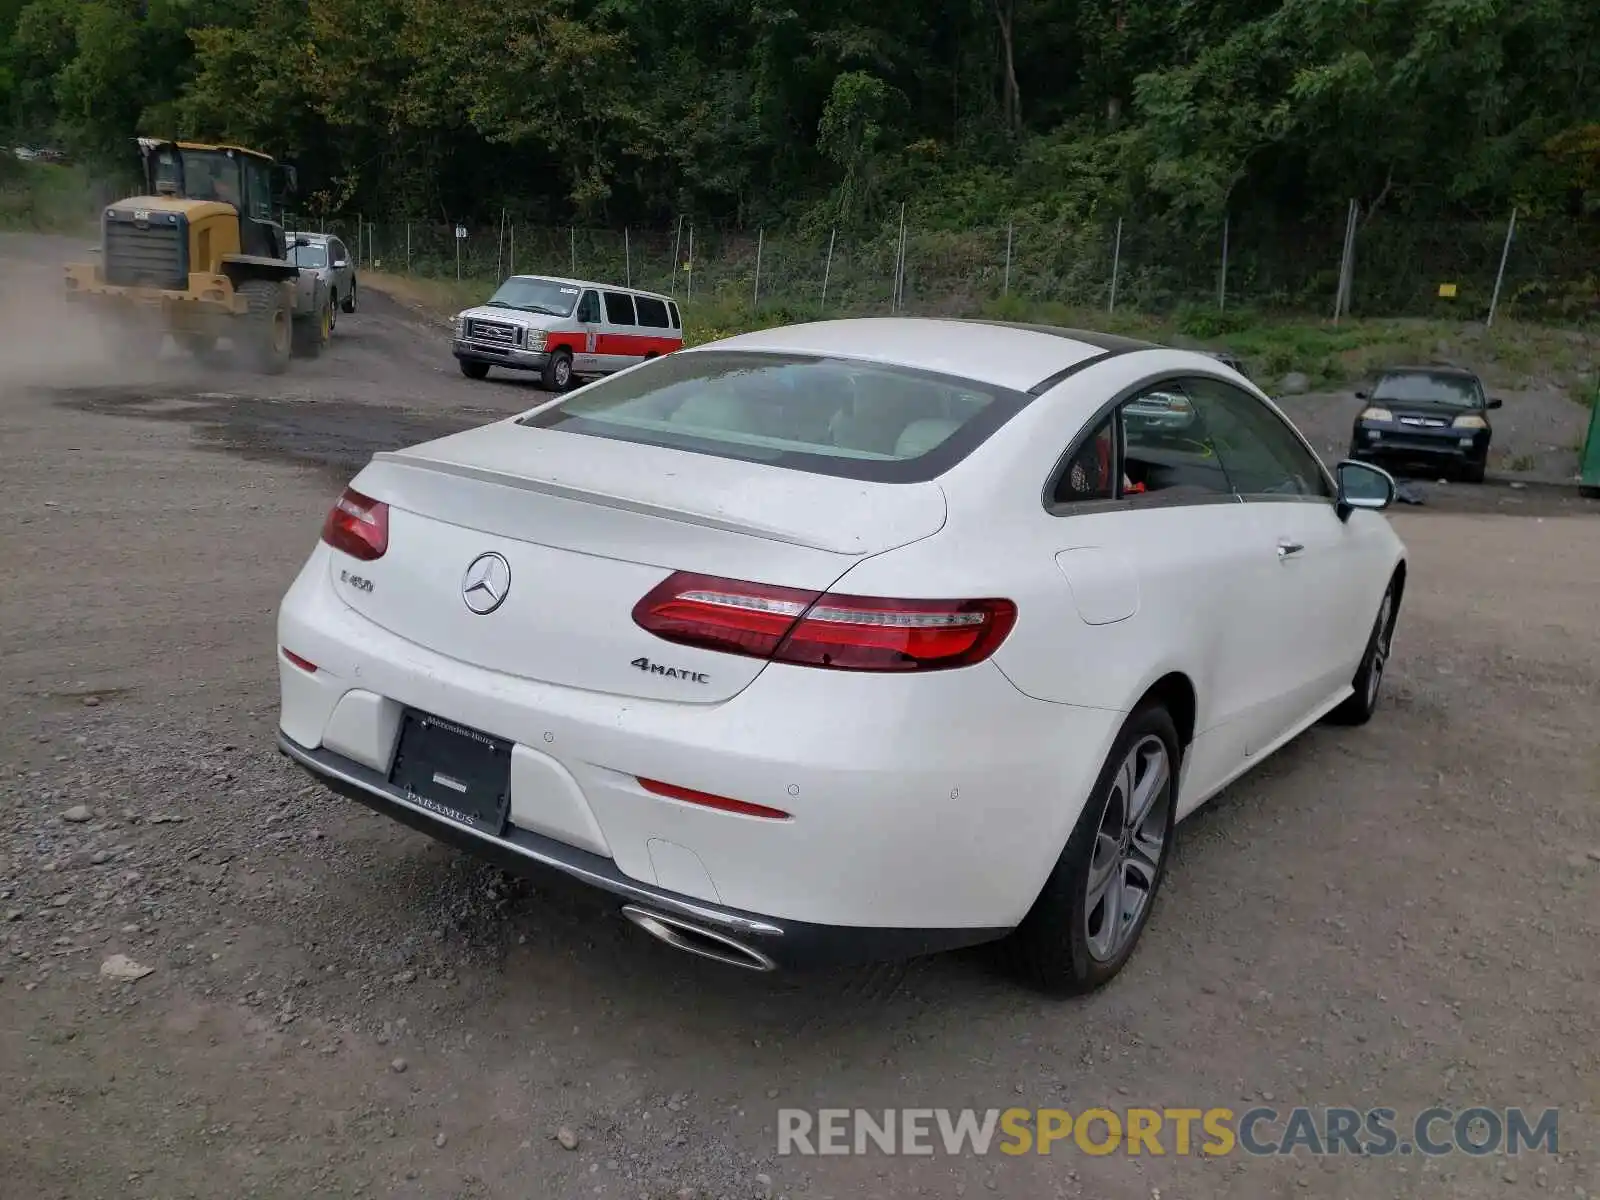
x,y
1288,549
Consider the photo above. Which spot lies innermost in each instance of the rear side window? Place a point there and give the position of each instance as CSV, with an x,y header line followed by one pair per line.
x,y
827,416
619,308
653,313
673,309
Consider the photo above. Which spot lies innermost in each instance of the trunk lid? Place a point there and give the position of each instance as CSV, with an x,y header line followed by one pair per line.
x,y
584,528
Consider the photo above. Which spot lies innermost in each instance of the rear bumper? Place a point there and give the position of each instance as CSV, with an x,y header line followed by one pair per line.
x,y
782,943
937,803
500,356
207,295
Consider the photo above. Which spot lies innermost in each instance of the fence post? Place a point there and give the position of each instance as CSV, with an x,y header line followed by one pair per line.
x,y
1116,267
1347,260
1005,284
513,245
627,258
677,245
1222,281
1505,252
500,248
458,242
358,241
572,233
897,295
688,287
761,237
408,247
827,269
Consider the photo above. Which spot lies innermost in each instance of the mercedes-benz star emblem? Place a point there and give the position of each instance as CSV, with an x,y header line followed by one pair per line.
x,y
486,584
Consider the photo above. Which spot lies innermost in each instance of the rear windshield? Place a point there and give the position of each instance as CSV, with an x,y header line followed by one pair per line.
x,y
309,256
823,415
1427,388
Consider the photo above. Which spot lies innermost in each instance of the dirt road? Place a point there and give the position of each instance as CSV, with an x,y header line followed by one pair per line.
x,y
1401,916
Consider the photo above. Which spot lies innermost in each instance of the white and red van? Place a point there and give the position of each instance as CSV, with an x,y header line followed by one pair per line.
x,y
565,328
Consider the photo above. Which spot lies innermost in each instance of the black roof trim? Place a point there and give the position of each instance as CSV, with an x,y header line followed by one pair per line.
x,y
1050,381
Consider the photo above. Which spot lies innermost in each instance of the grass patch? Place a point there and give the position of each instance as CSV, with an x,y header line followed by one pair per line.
x,y
442,298
48,198
1330,356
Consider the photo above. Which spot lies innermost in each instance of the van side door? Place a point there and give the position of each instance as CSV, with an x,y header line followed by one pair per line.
x,y
618,334
586,355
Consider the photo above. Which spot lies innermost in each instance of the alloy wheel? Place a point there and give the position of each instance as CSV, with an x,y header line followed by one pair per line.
x,y
1128,849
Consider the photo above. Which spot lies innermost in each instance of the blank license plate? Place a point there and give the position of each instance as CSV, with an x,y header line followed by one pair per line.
x,y
454,771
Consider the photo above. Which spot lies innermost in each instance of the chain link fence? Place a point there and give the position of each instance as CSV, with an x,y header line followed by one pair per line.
x,y
1397,268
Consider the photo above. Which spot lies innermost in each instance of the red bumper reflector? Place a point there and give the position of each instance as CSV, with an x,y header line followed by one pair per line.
x,y
305,664
707,800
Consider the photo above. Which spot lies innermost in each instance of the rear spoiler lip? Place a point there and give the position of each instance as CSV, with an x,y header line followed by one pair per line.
x,y
416,461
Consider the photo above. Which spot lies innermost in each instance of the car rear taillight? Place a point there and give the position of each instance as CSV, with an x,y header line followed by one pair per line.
x,y
358,525
824,629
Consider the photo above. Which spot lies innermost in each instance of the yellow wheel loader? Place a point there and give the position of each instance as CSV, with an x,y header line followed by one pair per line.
x,y
201,257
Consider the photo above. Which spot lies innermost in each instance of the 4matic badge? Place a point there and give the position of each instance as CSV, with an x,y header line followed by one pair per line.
x,y
356,581
655,668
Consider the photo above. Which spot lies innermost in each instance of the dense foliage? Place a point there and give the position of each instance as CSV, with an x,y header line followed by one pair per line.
x,y
749,111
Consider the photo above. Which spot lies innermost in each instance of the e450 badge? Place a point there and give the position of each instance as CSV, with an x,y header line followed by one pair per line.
x,y
655,668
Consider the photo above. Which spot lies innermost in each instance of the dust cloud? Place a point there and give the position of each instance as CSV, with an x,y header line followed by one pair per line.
x,y
47,341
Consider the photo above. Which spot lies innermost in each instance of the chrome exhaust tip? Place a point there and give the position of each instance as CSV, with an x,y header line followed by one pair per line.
x,y
697,939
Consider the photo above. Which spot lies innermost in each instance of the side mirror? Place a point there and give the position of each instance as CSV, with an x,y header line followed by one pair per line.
x,y
1496,402
1362,485
301,240
1362,396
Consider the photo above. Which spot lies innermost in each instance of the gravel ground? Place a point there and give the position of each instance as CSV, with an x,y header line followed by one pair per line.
x,y
1402,915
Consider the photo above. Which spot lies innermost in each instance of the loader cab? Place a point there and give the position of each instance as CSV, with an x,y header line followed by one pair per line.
x,y
230,175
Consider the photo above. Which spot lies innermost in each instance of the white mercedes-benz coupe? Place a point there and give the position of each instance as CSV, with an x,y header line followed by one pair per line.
x,y
846,641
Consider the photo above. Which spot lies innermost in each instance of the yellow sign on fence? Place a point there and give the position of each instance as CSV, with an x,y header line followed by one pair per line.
x,y
1447,291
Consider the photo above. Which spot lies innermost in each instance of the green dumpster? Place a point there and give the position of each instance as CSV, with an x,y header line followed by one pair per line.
x,y
1589,467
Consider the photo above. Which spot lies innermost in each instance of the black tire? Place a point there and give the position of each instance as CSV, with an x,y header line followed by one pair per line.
x,y
311,334
333,312
557,373
349,302
1473,472
473,370
1358,707
1054,948
264,336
